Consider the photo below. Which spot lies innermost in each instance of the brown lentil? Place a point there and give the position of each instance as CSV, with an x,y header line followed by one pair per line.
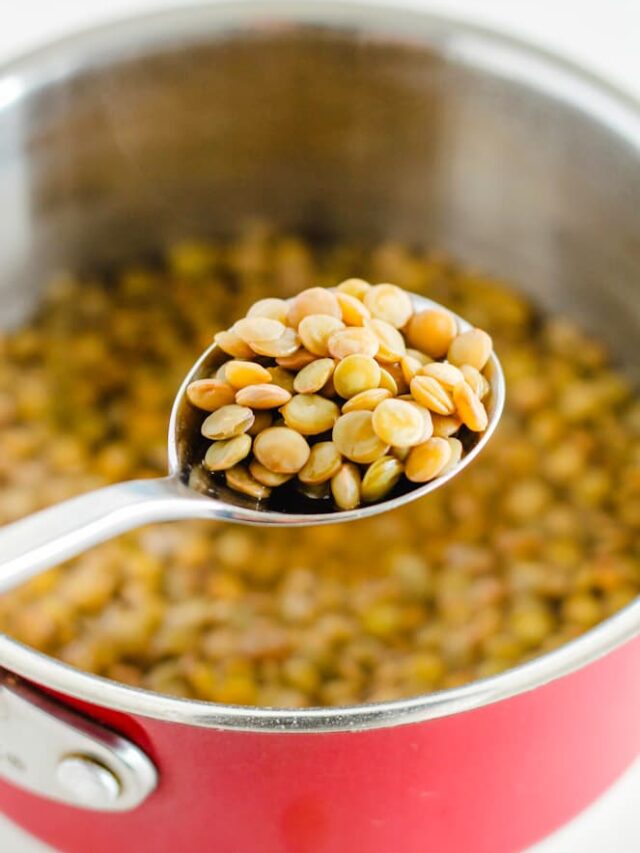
x,y
398,423
265,476
469,406
354,312
286,345
389,303
252,329
262,396
354,374
310,414
336,363
345,486
243,373
380,478
354,436
366,400
432,395
210,394
314,300
432,332
228,422
281,450
473,347
315,331
241,480
312,616
388,383
324,461
428,460
224,454
314,376
354,340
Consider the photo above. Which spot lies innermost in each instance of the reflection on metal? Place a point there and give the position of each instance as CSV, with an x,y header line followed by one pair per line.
x,y
53,751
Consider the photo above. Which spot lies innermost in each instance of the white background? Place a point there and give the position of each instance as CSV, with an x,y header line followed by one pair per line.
x,y
603,35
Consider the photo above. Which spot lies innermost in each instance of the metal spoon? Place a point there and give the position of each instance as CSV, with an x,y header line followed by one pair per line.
x,y
53,535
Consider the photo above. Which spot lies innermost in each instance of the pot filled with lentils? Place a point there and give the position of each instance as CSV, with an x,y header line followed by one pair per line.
x,y
461,672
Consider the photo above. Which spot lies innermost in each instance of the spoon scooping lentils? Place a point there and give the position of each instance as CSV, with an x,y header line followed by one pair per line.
x,y
344,391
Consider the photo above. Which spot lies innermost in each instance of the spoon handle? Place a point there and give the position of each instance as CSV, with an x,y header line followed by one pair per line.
x,y
49,537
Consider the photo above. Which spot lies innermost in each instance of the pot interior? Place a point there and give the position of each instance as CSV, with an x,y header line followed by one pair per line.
x,y
119,145
361,129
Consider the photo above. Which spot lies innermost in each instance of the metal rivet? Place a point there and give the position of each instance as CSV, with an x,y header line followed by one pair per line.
x,y
88,781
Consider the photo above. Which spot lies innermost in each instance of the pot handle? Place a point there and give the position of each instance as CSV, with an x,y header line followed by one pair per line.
x,y
56,752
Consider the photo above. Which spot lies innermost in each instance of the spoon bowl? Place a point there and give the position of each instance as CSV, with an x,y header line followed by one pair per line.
x,y
287,506
42,540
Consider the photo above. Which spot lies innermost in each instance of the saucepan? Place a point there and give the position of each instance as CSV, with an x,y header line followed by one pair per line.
x,y
336,121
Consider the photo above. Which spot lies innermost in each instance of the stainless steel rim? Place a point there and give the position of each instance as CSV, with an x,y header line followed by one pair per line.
x,y
467,43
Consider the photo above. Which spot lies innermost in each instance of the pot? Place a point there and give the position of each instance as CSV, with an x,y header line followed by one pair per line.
x,y
336,121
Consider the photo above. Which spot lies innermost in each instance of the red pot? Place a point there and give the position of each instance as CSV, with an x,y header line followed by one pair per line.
x,y
342,120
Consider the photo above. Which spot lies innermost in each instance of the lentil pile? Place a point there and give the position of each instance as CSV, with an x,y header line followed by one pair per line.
x,y
531,546
355,405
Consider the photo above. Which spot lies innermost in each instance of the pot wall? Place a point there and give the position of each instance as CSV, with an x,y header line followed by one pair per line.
x,y
491,780
352,122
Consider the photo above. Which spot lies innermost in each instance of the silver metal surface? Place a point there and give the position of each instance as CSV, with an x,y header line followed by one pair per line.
x,y
364,123
44,539
87,781
60,754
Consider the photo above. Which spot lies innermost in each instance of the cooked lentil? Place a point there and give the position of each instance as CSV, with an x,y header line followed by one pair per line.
x,y
341,362
524,551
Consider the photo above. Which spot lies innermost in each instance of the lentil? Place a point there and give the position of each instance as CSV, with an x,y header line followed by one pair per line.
x,y
228,422
210,394
324,461
354,436
354,374
314,376
345,486
252,329
321,364
398,423
271,617
354,313
262,396
389,303
243,373
473,347
366,400
380,478
281,450
224,454
356,287
315,300
286,345
432,332
428,460
432,395
265,476
472,412
353,341
310,414
241,480
315,331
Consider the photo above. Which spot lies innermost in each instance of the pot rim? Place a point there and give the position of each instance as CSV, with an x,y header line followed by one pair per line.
x,y
469,44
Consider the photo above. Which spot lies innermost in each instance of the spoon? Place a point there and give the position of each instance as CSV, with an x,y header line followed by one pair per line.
x,y
49,537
